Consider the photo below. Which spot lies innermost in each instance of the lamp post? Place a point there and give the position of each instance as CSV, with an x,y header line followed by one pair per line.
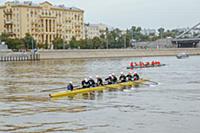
x,y
124,40
123,36
106,36
32,43
107,43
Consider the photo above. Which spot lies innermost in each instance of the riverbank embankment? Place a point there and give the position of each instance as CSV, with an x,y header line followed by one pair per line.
x,y
114,53
110,53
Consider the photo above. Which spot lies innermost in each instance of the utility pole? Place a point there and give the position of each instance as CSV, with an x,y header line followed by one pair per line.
x,y
32,43
63,41
124,40
106,37
107,42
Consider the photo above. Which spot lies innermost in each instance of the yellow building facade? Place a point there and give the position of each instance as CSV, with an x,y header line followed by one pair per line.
x,y
43,21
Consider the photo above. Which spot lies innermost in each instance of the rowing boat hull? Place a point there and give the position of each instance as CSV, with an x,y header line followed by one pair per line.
x,y
146,66
99,88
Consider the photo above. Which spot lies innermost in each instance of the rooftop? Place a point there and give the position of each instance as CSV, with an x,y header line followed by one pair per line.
x,y
30,3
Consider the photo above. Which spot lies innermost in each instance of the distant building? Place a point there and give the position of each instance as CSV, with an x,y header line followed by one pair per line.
x,y
94,30
43,21
148,32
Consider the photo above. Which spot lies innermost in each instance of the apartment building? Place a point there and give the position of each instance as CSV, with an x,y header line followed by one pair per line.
x,y
43,21
94,30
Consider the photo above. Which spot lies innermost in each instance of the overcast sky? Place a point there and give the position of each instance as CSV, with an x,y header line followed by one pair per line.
x,y
145,13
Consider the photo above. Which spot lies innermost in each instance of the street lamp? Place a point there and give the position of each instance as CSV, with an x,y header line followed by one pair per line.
x,y
106,40
123,35
124,40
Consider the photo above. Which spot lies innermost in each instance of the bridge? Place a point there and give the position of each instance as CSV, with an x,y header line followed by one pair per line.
x,y
188,39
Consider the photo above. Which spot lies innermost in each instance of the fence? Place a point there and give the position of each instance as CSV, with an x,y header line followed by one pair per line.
x,y
20,57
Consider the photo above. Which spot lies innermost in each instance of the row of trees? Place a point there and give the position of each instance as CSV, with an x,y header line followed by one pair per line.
x,y
110,39
118,39
28,42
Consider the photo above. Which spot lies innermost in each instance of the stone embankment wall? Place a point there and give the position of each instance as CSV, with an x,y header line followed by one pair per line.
x,y
114,53
107,53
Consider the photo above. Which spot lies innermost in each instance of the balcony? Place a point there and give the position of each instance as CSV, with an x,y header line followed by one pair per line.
x,y
47,16
8,12
8,22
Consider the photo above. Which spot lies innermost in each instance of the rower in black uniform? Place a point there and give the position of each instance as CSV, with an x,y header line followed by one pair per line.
x,y
91,82
129,76
85,83
99,81
122,77
114,78
136,76
109,79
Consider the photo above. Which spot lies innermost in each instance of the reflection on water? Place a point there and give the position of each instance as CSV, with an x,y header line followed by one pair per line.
x,y
26,107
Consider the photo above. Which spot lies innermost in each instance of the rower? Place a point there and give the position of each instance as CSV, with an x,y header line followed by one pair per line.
x,y
122,77
153,63
99,81
158,62
85,83
129,76
147,64
114,78
109,79
70,86
91,82
135,76
131,64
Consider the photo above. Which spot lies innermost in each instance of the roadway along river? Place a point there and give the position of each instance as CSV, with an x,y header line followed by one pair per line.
x,y
172,106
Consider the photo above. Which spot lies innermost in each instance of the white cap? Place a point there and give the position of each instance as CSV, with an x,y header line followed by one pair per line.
x,y
86,79
113,73
97,76
110,75
90,77
135,73
71,82
122,73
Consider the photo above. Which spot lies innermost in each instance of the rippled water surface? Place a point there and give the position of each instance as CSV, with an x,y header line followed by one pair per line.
x,y
172,106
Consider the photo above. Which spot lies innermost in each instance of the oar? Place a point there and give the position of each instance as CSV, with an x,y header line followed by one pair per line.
x,y
154,83
53,89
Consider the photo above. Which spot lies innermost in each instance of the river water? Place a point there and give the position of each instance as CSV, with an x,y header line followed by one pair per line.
x,y
171,106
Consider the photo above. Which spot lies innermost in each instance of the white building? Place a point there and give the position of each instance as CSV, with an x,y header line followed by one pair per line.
x,y
148,32
94,30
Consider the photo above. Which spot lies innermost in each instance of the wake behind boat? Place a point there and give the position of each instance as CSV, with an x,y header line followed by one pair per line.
x,y
182,55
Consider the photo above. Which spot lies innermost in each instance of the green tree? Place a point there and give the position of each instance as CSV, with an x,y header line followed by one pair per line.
x,y
96,43
15,44
73,43
161,31
30,42
58,43
4,37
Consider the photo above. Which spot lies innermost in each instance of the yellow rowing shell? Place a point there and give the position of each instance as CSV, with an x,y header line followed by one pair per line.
x,y
99,88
